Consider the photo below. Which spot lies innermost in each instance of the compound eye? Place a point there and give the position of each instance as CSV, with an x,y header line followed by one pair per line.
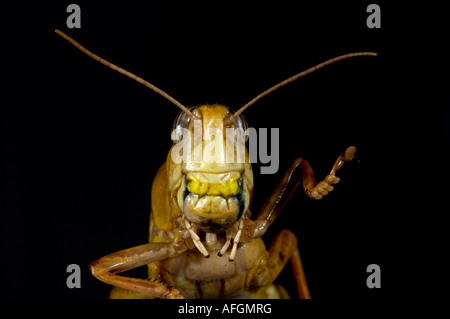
x,y
181,122
241,123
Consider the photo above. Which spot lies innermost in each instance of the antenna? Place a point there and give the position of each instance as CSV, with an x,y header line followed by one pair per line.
x,y
125,72
295,77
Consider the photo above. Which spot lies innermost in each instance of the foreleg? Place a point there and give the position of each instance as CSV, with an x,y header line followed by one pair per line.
x,y
106,268
299,170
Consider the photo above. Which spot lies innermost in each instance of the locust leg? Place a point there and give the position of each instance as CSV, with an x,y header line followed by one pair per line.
x,y
299,170
317,191
106,268
282,248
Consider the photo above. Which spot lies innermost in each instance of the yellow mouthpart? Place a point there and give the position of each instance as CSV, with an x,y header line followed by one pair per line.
x,y
226,189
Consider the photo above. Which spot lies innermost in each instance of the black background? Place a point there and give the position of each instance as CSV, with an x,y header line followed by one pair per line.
x,y
84,142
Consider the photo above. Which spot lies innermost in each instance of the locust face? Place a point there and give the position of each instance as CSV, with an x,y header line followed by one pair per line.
x,y
215,179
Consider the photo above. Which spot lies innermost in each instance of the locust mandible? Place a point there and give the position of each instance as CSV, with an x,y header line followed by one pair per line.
x,y
203,243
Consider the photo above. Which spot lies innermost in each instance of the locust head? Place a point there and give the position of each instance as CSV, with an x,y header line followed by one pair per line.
x,y
211,174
